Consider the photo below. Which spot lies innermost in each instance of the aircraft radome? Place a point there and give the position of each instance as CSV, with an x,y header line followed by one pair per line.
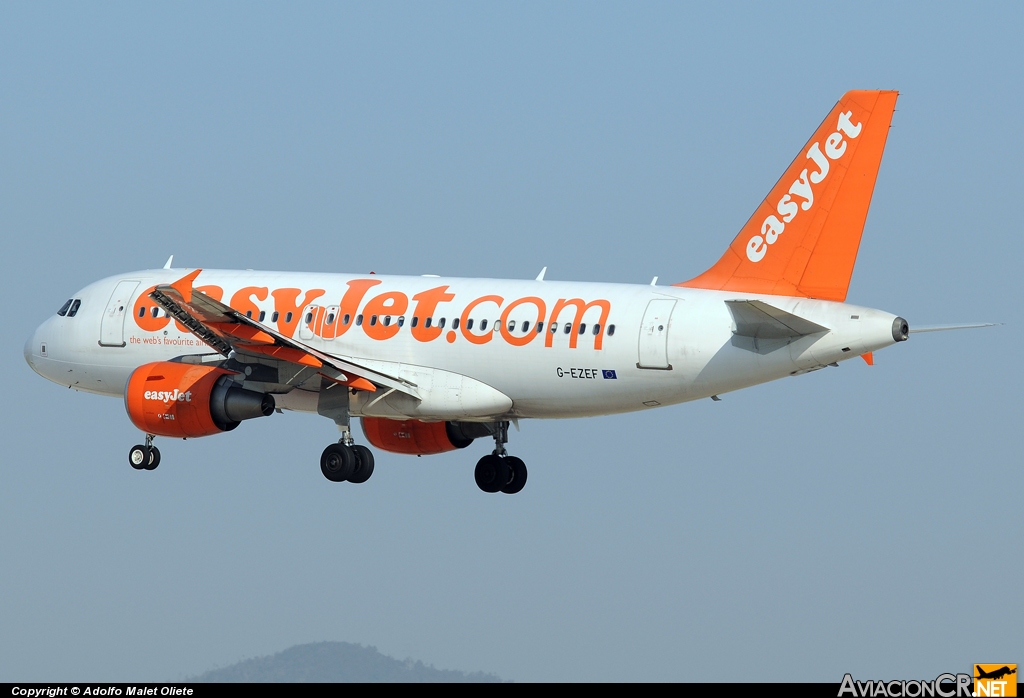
x,y
429,364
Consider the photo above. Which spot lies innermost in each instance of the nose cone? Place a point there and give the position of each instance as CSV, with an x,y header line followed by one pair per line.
x,y
35,352
29,345
32,349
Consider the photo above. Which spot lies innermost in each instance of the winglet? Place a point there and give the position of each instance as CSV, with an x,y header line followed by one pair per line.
x,y
184,285
869,358
169,260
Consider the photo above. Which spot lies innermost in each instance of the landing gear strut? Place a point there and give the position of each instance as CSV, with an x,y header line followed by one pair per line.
x,y
498,471
145,457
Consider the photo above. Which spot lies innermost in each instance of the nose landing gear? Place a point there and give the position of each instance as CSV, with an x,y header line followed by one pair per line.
x,y
498,471
145,457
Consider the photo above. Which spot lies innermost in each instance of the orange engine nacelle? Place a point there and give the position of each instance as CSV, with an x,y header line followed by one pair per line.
x,y
190,400
413,436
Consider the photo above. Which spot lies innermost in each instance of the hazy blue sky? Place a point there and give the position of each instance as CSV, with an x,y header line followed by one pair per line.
x,y
856,519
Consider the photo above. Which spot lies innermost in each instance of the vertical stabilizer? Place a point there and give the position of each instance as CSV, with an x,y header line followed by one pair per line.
x,y
803,238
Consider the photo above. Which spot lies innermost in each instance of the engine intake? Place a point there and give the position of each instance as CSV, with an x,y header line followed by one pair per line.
x,y
189,400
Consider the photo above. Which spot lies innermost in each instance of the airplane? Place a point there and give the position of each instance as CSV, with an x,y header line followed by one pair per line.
x,y
995,674
430,364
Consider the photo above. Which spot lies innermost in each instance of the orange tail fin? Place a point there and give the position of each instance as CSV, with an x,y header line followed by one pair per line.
x,y
803,238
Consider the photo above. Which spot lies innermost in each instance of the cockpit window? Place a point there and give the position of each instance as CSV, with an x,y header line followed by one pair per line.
x,y
64,308
74,307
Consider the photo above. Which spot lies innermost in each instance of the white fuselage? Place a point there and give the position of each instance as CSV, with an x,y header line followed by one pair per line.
x,y
669,344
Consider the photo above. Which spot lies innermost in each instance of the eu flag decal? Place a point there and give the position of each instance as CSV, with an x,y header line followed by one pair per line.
x,y
608,374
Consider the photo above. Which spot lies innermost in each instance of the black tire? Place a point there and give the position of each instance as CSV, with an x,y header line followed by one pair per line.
x,y
517,479
491,473
363,465
138,457
154,458
337,462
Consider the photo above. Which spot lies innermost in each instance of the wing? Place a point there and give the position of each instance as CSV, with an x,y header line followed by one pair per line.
x,y
230,332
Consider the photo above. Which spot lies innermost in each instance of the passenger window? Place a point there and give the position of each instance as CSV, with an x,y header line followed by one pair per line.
x,y
401,320
455,324
583,328
288,317
359,320
540,327
469,324
347,319
248,314
155,311
483,325
142,311
554,327
568,327
526,326
440,323
497,325
75,304
309,317
511,325
273,318
64,309
263,314
415,320
330,318
611,330
387,320
426,323
373,320
597,329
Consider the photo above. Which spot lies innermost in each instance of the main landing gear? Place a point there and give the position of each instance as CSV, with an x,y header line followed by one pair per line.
x,y
347,461
500,472
144,457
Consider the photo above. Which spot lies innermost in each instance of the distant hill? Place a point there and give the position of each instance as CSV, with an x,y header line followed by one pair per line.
x,y
336,662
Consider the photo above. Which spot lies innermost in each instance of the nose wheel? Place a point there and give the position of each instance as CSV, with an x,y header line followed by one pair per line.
x,y
144,457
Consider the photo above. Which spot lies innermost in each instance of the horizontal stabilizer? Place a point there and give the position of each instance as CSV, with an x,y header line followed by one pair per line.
x,y
943,328
760,320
